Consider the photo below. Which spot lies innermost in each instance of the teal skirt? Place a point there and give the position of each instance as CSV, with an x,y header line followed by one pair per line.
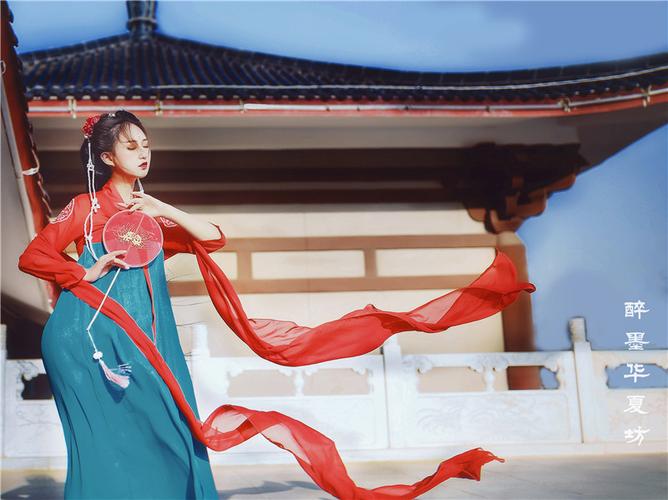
x,y
127,443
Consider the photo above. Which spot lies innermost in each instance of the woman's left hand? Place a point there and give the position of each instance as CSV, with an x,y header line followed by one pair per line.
x,y
147,204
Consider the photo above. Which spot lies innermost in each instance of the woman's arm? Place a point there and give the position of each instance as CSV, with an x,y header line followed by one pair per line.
x,y
44,257
179,228
198,228
178,240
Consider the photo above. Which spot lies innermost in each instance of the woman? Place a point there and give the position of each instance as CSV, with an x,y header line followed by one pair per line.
x,y
147,440
132,443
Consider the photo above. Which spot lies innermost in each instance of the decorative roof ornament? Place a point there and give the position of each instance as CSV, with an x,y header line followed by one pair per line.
x,y
141,22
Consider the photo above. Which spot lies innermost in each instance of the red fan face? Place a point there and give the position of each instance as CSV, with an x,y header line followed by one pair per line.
x,y
136,232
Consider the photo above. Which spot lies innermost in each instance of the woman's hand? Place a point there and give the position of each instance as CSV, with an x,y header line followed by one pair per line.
x,y
147,204
104,264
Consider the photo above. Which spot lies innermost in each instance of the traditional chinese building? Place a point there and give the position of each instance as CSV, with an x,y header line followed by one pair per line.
x,y
337,185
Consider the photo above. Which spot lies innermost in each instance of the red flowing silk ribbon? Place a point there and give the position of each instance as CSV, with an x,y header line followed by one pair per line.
x,y
286,343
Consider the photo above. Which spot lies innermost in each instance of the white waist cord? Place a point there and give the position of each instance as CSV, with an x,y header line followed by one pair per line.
x,y
100,307
120,378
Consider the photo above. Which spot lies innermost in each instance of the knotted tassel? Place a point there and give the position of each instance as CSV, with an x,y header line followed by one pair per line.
x,y
117,378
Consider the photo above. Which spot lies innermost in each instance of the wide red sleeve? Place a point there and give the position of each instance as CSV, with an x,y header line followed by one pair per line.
x,y
178,240
44,256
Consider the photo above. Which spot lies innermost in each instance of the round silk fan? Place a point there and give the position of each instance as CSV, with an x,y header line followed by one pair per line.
x,y
136,232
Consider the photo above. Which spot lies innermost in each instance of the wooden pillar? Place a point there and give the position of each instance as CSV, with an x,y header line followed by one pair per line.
x,y
518,334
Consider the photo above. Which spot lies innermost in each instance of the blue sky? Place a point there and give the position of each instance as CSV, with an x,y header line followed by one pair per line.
x,y
409,35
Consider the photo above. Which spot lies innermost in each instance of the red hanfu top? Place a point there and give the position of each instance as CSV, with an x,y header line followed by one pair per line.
x,y
280,341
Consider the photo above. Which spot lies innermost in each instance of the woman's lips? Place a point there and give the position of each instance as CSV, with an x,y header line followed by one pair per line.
x,y
143,166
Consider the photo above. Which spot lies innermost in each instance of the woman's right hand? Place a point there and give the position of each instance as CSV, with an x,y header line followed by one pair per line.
x,y
104,264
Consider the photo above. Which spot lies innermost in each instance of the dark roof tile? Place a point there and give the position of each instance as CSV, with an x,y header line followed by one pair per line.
x,y
167,67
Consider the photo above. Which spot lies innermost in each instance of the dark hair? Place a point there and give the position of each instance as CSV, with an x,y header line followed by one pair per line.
x,y
105,134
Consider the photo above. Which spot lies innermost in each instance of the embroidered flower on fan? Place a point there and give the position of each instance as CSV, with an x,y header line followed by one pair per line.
x,y
65,212
167,222
135,236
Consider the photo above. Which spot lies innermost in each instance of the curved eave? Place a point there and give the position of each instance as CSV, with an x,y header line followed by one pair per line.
x,y
206,108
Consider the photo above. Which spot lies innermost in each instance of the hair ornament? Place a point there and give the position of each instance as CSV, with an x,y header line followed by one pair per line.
x,y
87,128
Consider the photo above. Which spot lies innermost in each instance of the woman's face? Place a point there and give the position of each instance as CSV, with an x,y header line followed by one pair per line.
x,y
131,155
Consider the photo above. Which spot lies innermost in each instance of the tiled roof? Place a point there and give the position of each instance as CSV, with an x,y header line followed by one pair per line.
x,y
156,66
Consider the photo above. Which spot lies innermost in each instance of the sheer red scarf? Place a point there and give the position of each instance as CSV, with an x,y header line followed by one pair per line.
x,y
286,343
